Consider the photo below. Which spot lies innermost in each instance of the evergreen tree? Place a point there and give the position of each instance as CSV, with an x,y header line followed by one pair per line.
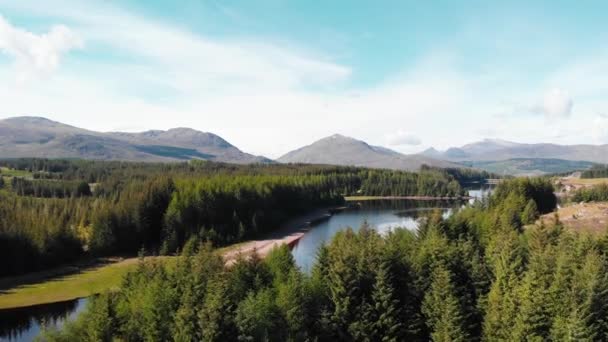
x,y
216,315
386,309
530,212
258,318
442,309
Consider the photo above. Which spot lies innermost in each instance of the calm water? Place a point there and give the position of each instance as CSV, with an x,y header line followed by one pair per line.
x,y
25,324
382,215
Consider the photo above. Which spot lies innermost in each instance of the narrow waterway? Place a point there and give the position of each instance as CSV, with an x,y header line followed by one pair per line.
x,y
24,324
382,215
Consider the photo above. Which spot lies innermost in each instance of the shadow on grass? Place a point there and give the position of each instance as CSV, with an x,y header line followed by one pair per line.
x,y
11,283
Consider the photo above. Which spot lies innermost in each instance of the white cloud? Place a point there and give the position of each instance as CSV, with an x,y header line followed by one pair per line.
x,y
599,131
401,138
557,104
268,97
36,54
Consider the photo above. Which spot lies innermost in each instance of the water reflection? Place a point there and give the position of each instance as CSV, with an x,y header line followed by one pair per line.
x,y
24,324
382,215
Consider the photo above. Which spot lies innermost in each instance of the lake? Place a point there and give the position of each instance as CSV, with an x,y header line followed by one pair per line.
x,y
382,215
24,324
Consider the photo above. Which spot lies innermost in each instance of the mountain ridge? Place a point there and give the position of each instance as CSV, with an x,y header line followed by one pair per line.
x,y
338,149
496,150
32,136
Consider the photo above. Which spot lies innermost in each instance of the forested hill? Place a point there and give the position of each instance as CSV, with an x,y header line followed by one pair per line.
x,y
53,211
484,274
598,171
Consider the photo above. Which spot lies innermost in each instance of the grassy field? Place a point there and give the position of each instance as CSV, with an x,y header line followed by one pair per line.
x,y
68,283
25,291
585,181
15,173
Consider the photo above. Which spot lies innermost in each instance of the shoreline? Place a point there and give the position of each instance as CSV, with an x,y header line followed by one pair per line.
x,y
417,198
289,233
90,277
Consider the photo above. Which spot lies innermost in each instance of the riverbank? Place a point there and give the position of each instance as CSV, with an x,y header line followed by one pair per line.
x,y
91,277
416,198
289,233
63,283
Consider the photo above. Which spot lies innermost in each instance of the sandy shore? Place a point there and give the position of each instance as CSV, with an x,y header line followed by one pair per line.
x,y
289,233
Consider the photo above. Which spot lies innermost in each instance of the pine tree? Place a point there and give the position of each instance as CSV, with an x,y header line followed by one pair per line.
x,y
293,303
442,310
386,309
530,213
216,317
185,328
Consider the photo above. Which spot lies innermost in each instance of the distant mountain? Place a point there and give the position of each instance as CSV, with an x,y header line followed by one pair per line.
x,y
340,150
40,137
496,150
530,166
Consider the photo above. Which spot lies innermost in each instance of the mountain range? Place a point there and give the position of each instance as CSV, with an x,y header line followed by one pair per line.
x,y
38,137
341,150
495,149
29,136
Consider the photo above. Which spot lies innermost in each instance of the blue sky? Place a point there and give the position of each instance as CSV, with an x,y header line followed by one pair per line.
x,y
272,75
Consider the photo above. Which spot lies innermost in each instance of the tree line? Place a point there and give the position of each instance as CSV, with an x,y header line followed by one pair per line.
x,y
478,275
596,193
598,171
60,217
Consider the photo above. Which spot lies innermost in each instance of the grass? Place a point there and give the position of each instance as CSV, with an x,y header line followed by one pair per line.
x,y
56,289
589,181
15,173
584,217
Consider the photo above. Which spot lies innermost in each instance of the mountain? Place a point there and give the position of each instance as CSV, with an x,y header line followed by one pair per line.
x,y
43,138
340,150
530,166
496,150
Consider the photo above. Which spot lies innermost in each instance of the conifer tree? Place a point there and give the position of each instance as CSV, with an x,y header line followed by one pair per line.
x,y
442,310
386,309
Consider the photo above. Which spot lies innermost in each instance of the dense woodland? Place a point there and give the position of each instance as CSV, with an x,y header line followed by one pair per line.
x,y
481,274
55,211
599,171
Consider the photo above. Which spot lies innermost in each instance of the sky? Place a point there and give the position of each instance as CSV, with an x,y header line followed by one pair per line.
x,y
270,76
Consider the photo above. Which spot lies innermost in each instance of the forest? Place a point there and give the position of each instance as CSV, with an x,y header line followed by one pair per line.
x,y
483,274
56,211
598,171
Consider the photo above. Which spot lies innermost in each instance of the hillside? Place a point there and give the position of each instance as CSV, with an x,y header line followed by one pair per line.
x,y
341,150
44,138
529,166
495,149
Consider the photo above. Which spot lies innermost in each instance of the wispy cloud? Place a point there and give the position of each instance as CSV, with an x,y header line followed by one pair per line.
x,y
36,54
269,96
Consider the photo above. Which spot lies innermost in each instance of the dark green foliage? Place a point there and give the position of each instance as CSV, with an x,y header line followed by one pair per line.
x,y
598,171
596,193
442,308
58,216
49,188
538,189
478,275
